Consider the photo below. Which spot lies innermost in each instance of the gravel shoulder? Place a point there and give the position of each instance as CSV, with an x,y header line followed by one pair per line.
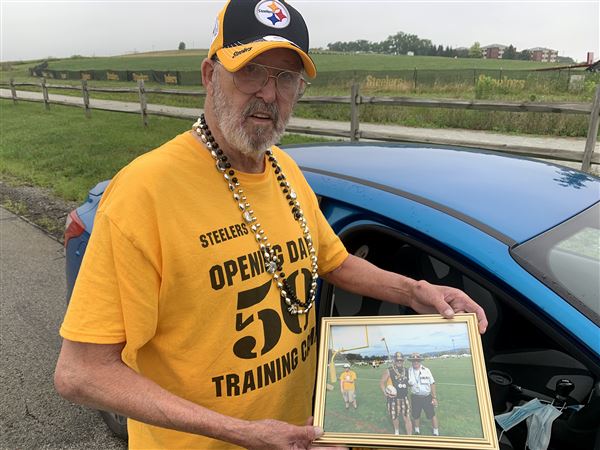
x,y
36,205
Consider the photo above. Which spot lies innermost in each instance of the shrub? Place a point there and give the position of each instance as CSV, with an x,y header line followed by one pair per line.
x,y
488,86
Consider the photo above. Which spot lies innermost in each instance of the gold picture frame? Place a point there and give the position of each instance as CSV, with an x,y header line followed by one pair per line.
x,y
354,404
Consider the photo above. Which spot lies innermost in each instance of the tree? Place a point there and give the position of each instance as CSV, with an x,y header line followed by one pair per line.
x,y
398,44
462,53
182,45
524,55
402,43
510,52
565,60
475,50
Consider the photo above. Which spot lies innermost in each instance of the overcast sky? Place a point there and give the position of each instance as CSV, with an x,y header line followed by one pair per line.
x,y
421,338
34,29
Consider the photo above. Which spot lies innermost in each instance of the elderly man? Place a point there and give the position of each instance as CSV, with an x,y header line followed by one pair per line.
x,y
423,393
396,376
188,315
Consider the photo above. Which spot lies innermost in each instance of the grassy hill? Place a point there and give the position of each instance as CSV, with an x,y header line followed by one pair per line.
x,y
379,75
326,62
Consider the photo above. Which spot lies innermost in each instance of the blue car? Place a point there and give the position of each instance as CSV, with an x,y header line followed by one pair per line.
x,y
521,237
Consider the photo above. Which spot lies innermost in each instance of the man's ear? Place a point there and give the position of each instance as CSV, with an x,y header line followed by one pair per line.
x,y
208,69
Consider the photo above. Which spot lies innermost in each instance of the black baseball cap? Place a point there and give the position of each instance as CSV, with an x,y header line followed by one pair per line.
x,y
246,28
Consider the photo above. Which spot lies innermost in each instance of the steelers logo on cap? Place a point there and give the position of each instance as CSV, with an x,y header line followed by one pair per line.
x,y
272,14
215,31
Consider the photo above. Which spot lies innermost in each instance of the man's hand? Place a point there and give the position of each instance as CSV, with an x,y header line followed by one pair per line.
x,y
276,435
95,375
429,298
310,422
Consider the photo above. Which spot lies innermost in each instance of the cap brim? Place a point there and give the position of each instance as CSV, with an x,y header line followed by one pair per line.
x,y
234,58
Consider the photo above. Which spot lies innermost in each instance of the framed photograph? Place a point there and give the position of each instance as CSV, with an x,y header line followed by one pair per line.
x,y
403,381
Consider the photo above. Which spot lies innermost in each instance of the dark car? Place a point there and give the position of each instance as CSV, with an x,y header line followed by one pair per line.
x,y
521,237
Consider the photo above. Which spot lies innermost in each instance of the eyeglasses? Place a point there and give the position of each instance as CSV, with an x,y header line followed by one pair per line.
x,y
253,77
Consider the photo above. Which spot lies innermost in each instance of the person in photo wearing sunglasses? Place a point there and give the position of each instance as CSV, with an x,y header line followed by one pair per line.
x,y
423,393
193,311
394,385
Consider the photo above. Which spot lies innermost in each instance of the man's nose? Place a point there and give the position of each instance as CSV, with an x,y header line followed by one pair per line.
x,y
269,91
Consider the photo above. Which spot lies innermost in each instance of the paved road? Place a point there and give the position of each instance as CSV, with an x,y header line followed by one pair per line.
x,y
485,139
32,303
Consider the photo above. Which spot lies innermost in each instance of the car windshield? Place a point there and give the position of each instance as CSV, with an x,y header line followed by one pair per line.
x,y
567,259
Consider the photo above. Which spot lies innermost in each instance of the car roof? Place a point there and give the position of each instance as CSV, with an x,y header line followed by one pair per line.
x,y
518,197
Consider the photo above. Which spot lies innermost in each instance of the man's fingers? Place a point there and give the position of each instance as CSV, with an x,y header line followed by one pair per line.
x,y
312,432
483,323
480,313
465,304
276,434
443,308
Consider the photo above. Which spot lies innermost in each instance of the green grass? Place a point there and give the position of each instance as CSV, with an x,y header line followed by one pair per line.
x,y
520,123
458,410
177,60
325,62
336,76
17,207
62,150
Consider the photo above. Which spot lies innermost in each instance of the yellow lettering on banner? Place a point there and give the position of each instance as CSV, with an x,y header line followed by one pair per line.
x,y
387,83
112,76
171,79
63,75
86,76
140,76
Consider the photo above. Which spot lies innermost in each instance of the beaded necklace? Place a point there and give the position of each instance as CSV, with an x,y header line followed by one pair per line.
x,y
273,264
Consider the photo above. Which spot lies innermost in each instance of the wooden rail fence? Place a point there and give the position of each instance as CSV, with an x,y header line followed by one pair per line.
x,y
355,100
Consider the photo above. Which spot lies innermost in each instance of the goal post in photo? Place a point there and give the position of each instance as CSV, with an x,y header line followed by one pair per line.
x,y
356,339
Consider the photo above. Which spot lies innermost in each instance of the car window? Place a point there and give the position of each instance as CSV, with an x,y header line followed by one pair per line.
x,y
409,260
567,259
518,342
393,252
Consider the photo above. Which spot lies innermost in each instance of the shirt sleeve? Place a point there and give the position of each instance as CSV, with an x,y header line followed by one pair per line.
x,y
115,298
431,377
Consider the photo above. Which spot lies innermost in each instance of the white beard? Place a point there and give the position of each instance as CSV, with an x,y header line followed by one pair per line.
x,y
256,142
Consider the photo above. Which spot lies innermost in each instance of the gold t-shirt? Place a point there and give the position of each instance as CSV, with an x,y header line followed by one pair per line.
x,y
173,270
347,379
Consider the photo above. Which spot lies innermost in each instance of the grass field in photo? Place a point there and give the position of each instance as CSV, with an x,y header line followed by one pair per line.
x,y
458,410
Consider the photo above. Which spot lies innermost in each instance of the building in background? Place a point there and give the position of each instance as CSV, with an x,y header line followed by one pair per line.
x,y
493,51
543,54
590,57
